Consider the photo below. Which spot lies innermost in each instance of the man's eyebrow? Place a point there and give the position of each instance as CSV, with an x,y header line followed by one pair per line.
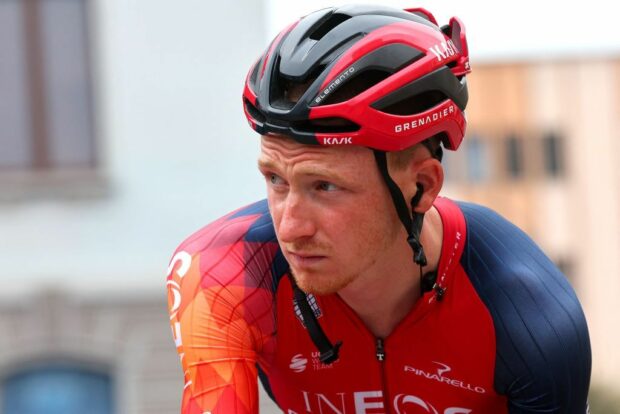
x,y
320,172
265,164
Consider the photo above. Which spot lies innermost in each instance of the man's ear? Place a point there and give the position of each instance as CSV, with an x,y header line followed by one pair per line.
x,y
428,173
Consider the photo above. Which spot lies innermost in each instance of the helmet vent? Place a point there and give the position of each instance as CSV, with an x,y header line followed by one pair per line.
x,y
326,125
254,112
415,104
356,85
254,75
327,25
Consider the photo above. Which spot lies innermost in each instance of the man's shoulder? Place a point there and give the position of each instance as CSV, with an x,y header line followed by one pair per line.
x,y
539,325
239,248
525,292
500,254
497,241
251,223
478,215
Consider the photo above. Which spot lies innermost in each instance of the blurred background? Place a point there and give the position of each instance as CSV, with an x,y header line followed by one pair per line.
x,y
122,132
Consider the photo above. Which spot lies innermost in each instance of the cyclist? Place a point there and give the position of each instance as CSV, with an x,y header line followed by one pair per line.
x,y
356,288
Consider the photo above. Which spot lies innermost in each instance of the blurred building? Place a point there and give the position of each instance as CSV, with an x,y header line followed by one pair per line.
x,y
115,119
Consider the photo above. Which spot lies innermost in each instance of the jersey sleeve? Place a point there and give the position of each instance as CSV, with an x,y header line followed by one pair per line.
x,y
543,360
220,310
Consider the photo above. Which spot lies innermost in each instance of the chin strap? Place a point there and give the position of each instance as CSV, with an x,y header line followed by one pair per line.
x,y
328,352
415,229
413,223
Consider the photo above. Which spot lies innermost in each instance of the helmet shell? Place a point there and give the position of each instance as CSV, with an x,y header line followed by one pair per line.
x,y
373,76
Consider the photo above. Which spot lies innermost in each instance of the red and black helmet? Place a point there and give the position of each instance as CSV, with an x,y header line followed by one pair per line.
x,y
373,76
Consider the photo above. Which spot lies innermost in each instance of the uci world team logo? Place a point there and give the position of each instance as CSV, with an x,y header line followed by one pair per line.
x,y
298,363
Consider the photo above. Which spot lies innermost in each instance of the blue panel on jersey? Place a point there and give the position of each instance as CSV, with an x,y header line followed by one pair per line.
x,y
262,231
260,207
543,349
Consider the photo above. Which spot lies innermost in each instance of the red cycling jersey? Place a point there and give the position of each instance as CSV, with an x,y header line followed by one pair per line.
x,y
508,335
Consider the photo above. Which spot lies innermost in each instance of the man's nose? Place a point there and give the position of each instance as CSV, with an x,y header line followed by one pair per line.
x,y
295,220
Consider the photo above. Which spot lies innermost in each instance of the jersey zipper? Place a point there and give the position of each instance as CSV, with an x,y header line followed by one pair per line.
x,y
380,355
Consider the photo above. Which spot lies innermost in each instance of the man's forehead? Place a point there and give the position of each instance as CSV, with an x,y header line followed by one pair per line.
x,y
281,139
278,149
284,143
283,151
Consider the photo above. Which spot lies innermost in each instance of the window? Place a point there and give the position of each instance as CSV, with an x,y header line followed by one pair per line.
x,y
514,156
57,389
477,159
552,155
45,104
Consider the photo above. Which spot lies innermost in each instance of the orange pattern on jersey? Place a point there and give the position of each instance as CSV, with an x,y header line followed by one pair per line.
x,y
217,336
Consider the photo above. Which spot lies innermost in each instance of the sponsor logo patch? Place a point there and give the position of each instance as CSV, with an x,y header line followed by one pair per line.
x,y
440,376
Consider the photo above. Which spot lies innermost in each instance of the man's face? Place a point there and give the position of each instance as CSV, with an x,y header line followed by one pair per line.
x,y
332,213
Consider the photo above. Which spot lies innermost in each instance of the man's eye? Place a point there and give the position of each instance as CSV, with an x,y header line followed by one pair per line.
x,y
326,186
274,179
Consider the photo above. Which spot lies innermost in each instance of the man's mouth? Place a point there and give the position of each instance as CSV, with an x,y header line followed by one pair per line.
x,y
304,259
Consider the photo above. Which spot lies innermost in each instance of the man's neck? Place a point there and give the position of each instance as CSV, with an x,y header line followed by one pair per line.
x,y
384,298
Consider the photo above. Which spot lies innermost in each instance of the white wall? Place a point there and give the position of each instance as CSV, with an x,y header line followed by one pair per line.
x,y
175,148
500,30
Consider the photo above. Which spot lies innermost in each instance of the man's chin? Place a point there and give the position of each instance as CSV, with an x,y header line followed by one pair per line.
x,y
320,284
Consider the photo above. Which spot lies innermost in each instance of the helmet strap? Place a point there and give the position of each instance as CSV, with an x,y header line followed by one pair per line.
x,y
328,352
411,221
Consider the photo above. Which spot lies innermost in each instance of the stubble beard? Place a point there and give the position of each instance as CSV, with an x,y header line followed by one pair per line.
x,y
319,282
327,283
322,284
